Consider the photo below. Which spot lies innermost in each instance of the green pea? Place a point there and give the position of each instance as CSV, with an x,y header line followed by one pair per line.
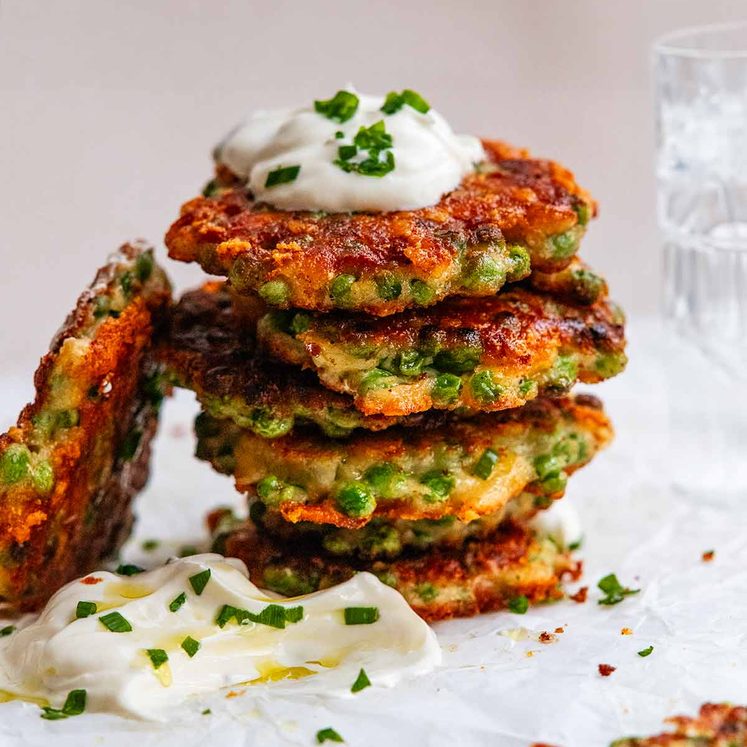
x,y
563,374
340,288
382,540
377,378
609,364
521,263
484,387
14,464
42,476
355,499
587,285
564,245
299,323
426,591
268,486
485,274
144,266
288,582
546,465
554,483
484,465
126,282
440,485
459,360
385,479
410,363
542,501
422,294
446,388
264,424
337,543
387,577
583,211
388,287
275,292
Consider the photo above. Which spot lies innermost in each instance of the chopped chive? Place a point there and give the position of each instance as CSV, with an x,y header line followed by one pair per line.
x,y
191,646
75,704
361,615
150,545
484,466
614,591
576,544
199,581
282,175
361,682
272,615
177,602
293,614
646,651
85,609
157,656
129,569
395,101
225,614
328,735
341,107
518,605
114,622
7,630
206,712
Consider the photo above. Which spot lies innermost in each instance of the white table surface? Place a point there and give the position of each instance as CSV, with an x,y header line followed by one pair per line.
x,y
493,689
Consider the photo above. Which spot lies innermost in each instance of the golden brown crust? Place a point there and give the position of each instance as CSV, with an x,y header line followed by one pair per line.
x,y
716,725
484,575
96,376
514,198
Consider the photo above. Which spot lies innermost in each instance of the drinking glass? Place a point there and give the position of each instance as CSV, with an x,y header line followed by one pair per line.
x,y
701,107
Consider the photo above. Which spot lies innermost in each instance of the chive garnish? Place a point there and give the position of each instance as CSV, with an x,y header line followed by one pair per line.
x,y
272,615
376,141
293,614
206,712
361,682
328,735
7,630
177,602
85,609
614,591
225,614
199,581
341,107
577,544
129,569
395,101
157,656
115,622
518,605
191,646
282,175
361,615
150,545
646,651
75,704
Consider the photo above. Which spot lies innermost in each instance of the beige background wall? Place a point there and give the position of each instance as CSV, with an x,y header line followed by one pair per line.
x,y
109,108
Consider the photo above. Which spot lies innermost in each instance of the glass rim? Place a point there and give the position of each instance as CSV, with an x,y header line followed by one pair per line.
x,y
667,43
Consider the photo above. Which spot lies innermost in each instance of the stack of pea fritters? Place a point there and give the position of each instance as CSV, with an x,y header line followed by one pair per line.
x,y
391,390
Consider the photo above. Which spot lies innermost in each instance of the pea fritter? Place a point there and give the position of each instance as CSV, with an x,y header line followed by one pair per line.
x,y
80,452
380,538
716,725
486,574
465,354
445,467
514,215
208,348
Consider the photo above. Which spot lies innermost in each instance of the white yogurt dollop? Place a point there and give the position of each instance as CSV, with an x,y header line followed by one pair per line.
x,y
58,652
429,159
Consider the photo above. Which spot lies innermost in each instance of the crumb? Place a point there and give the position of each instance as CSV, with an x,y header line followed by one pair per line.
x,y
529,654
626,631
560,630
545,637
708,556
452,647
91,580
606,669
580,595
233,694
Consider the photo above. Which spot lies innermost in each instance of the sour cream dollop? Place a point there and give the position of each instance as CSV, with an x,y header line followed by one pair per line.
x,y
59,652
429,159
